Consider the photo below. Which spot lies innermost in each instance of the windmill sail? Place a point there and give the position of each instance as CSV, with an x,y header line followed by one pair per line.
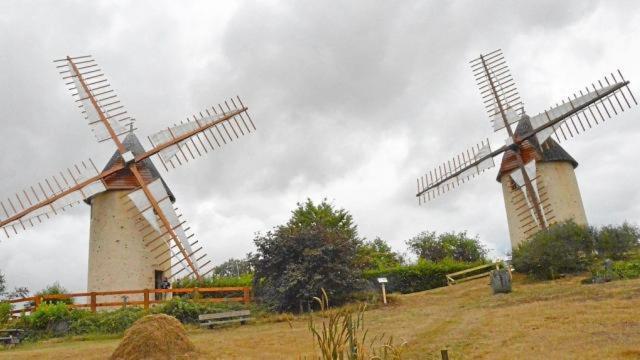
x,y
207,131
97,100
176,231
459,170
50,197
497,88
580,113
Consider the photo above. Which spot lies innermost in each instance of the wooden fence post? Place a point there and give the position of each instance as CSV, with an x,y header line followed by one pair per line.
x,y
93,302
246,296
36,301
444,353
146,299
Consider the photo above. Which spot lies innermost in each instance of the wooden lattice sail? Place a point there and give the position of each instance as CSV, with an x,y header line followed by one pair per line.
x,y
130,168
525,148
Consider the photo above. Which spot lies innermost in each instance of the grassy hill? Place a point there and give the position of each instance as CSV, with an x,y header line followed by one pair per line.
x,y
555,319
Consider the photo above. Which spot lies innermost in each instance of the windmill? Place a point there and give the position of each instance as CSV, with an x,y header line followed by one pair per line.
x,y
137,235
537,175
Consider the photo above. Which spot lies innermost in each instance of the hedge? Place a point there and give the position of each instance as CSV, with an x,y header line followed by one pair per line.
x,y
422,276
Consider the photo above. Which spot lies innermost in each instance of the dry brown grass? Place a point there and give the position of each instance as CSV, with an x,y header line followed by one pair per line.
x,y
555,320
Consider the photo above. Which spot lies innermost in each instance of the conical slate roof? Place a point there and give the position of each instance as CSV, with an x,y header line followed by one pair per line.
x,y
124,179
531,149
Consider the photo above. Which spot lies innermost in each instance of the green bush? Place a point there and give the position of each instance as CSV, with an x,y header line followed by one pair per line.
x,y
219,281
629,269
564,248
568,248
616,242
5,312
47,314
424,275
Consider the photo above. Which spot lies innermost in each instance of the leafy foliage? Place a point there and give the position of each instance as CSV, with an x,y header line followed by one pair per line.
x,y
615,242
55,289
422,276
569,248
457,246
629,269
315,249
377,254
5,312
233,268
214,281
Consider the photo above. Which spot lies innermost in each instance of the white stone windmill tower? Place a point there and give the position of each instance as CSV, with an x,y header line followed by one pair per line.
x,y
537,175
136,235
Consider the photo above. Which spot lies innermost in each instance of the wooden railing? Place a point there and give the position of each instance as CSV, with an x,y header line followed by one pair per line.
x,y
461,276
198,294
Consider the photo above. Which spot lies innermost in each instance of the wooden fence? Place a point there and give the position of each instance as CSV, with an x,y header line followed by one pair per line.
x,y
31,303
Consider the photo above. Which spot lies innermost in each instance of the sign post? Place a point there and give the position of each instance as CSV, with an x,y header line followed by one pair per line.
x,y
382,281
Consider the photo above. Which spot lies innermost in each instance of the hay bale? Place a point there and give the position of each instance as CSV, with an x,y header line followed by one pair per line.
x,y
155,337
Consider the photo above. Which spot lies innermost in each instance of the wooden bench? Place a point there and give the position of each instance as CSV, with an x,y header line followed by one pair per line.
x,y
461,276
10,337
209,320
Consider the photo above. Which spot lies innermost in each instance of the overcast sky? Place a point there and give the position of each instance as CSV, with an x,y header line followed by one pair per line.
x,y
352,100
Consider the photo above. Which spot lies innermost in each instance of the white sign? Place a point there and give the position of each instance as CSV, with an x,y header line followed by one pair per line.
x,y
382,280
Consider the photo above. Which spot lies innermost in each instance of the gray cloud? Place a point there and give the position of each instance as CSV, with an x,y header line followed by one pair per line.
x,y
352,102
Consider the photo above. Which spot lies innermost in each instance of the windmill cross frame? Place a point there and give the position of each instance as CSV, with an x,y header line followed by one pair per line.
x,y
505,108
105,115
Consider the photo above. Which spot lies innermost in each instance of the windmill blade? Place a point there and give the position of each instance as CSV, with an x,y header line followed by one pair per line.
x,y
459,170
98,102
530,200
163,223
497,88
50,197
580,113
206,131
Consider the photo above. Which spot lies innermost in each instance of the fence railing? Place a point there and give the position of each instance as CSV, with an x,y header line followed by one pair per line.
x,y
462,276
198,294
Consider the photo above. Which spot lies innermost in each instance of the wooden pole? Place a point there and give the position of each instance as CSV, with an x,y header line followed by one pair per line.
x,y
37,302
245,295
93,302
384,294
445,354
146,299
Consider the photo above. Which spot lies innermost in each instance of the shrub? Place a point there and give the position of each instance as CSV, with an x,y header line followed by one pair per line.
x,y
422,276
5,312
629,269
315,249
616,242
457,246
47,314
215,281
568,248
563,248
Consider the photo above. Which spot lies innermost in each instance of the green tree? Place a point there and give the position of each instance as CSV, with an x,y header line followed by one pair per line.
x,y
233,267
55,289
316,249
377,254
3,285
457,246
616,242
